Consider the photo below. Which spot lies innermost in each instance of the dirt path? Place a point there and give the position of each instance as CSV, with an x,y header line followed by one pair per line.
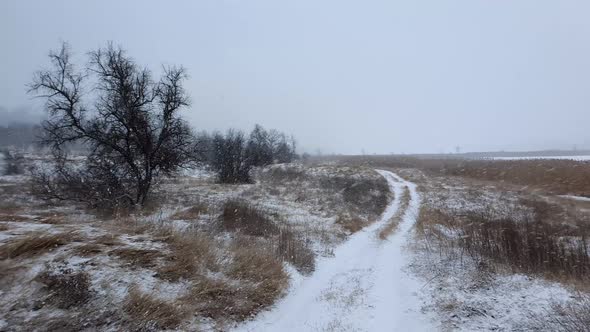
x,y
362,288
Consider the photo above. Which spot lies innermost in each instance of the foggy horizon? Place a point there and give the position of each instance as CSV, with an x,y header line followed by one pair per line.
x,y
342,77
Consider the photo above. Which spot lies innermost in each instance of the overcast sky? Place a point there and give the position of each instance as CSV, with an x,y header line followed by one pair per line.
x,y
383,76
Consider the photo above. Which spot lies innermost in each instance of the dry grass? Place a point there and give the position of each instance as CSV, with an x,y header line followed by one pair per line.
x,y
257,280
571,316
367,196
528,245
66,289
292,248
392,224
88,249
36,243
14,217
262,275
239,215
9,273
147,312
7,207
191,253
143,258
551,175
108,240
285,174
192,213
216,299
351,224
54,220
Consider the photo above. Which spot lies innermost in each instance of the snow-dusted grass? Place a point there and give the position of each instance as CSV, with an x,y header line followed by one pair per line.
x,y
141,266
473,292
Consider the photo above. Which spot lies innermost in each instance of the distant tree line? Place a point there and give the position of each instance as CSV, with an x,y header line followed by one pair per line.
x,y
130,125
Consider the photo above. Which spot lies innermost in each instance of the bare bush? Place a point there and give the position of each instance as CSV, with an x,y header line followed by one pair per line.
x,y
233,156
133,135
266,147
229,158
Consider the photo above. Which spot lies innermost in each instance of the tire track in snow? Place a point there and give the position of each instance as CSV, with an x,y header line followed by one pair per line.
x,y
362,288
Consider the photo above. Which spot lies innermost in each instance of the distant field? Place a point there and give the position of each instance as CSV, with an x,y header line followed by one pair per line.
x,y
576,158
558,175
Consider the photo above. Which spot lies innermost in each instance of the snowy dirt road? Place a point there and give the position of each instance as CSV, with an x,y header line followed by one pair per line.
x,y
364,287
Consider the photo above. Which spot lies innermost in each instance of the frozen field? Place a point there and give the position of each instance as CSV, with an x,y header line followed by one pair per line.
x,y
577,158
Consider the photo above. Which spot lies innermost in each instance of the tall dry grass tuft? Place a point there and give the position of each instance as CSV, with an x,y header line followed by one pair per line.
x,y
291,248
137,258
36,243
191,253
215,299
257,267
242,216
147,312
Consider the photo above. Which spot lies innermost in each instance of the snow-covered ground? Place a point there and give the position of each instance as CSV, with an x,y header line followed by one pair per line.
x,y
364,287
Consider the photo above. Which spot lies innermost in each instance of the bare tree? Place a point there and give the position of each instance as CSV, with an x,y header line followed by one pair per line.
x,y
260,147
129,122
230,158
13,163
